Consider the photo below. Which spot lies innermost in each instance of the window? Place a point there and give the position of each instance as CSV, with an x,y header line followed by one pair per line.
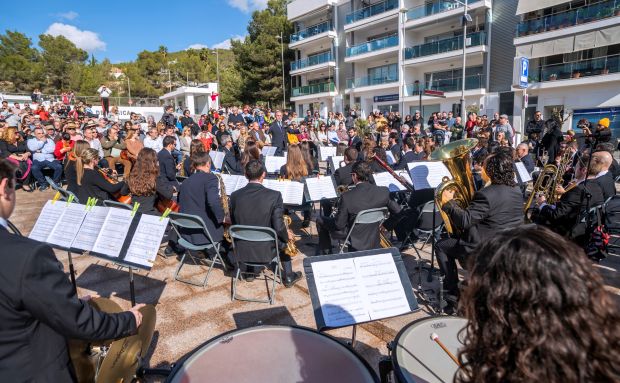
x,y
378,75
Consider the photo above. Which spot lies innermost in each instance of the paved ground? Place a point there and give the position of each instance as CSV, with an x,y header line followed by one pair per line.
x,y
188,316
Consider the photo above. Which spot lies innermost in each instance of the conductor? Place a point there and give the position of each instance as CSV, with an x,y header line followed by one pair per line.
x,y
39,309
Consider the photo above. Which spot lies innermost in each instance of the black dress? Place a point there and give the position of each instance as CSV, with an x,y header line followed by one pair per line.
x,y
95,185
148,202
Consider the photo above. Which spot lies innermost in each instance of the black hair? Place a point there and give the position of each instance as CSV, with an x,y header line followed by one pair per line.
x,y
199,159
66,136
350,154
7,170
362,170
500,168
254,170
168,140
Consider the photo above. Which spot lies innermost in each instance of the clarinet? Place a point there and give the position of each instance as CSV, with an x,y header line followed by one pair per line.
x,y
398,177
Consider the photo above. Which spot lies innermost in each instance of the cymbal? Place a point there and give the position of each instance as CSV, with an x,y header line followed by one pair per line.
x,y
105,305
125,355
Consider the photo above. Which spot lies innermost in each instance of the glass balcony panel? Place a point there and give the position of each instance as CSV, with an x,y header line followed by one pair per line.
x,y
313,89
312,31
450,84
577,69
435,7
443,46
312,61
369,81
370,11
373,45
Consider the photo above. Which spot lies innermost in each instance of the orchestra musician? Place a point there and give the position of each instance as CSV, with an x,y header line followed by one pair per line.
x,y
250,152
70,166
40,310
363,196
144,183
167,166
602,161
296,169
230,164
194,147
409,144
255,205
494,207
91,180
342,175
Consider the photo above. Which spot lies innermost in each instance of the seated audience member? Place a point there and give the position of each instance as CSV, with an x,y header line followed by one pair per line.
x,y
64,146
112,145
167,167
535,300
145,185
153,140
42,149
91,182
133,143
13,148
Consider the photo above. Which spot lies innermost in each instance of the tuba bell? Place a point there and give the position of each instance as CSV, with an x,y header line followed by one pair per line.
x,y
456,157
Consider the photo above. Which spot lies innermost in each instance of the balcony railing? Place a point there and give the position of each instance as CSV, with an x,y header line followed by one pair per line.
x,y
373,45
435,7
312,61
313,89
369,81
577,69
370,11
443,46
576,16
312,31
449,84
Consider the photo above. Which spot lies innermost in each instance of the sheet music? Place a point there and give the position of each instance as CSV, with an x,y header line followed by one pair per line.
x,y
388,180
522,172
390,157
233,182
273,163
217,158
336,162
292,191
339,293
382,286
50,214
91,226
268,151
113,232
67,226
326,151
321,188
146,240
427,174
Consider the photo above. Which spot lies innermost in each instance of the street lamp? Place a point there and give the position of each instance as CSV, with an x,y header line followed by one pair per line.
x,y
281,37
401,74
466,19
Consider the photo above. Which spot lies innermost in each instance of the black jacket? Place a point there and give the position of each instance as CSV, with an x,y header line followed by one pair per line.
x,y
163,190
363,196
39,310
95,185
343,175
408,157
169,120
534,127
231,164
607,185
279,137
355,142
199,195
255,205
495,207
167,167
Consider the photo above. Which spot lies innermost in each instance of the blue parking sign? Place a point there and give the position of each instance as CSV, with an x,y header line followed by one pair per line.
x,y
524,72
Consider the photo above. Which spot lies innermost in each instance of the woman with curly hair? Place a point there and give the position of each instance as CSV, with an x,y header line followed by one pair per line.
x,y
538,311
144,184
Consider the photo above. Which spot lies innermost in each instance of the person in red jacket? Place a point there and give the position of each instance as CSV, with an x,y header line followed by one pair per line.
x,y
63,146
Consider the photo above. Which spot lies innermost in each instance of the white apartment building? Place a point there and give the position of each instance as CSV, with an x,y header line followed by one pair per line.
x,y
574,52
380,55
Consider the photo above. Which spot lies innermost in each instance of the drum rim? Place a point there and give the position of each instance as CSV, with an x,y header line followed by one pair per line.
x,y
396,367
178,365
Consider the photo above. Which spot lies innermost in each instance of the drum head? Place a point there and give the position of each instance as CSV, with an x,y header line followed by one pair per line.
x,y
273,354
417,358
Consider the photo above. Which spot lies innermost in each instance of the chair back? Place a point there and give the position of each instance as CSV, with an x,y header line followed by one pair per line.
x,y
253,234
64,194
189,222
120,205
370,216
425,219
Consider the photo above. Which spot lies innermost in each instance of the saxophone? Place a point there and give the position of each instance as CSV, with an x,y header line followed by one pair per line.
x,y
291,249
225,207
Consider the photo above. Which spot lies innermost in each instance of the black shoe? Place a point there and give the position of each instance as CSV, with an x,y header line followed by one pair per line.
x,y
291,279
43,187
305,223
248,277
168,252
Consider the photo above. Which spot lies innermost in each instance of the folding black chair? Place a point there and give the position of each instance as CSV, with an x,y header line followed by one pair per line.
x,y
366,217
64,194
120,205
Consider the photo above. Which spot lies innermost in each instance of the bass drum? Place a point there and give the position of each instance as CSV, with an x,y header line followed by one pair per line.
x,y
273,354
416,357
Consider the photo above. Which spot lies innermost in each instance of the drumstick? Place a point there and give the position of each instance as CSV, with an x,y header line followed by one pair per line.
x,y
435,337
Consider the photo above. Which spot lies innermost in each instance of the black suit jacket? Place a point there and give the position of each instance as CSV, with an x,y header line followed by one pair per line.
x,y
363,196
199,195
355,142
279,137
607,185
255,205
408,157
495,207
528,162
343,175
39,310
230,162
167,167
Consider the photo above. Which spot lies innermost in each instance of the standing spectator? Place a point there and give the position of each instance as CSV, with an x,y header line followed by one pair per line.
x,y
104,93
457,129
535,127
168,118
42,149
133,143
504,126
188,121
470,125
278,133
235,117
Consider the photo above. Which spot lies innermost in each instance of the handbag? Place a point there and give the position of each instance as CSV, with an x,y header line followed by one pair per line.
x,y
23,168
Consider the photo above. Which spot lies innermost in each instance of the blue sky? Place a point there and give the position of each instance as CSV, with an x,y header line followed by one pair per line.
x,y
119,30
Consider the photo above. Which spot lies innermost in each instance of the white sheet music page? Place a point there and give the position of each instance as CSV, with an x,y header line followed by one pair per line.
x,y
146,240
390,157
336,162
381,286
68,226
427,174
268,151
327,151
387,180
292,191
339,293
91,226
230,183
273,163
113,232
524,175
217,158
321,188
50,214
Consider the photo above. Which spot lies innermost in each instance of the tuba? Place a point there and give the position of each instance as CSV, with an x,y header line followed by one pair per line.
x,y
456,157
225,207
291,249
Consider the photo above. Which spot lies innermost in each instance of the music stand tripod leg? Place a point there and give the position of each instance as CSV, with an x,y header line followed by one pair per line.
x,y
72,272
132,292
353,336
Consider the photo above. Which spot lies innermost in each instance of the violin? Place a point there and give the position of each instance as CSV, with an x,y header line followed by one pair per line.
x,y
126,199
163,203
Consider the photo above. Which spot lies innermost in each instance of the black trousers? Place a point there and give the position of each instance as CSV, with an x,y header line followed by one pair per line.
x,y
327,230
105,105
448,251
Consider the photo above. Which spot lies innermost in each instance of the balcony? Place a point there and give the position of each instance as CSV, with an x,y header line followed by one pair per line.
x,y
360,82
435,7
577,69
308,90
477,81
566,19
299,9
444,46
372,10
373,46
322,58
314,30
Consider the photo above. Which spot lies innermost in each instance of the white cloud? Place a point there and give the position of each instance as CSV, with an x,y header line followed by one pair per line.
x,y
68,15
226,43
248,5
196,46
87,40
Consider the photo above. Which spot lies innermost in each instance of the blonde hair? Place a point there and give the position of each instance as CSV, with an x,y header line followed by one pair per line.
x,y
78,148
87,156
187,129
9,135
296,167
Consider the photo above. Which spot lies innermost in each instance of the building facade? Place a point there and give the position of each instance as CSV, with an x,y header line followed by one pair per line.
x,y
382,55
574,52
